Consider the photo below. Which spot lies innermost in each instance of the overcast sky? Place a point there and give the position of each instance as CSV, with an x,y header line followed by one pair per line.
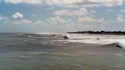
x,y
61,15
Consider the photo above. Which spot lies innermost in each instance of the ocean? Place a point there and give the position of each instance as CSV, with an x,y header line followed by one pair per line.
x,y
21,51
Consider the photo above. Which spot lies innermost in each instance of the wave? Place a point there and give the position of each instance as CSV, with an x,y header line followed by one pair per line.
x,y
121,44
97,39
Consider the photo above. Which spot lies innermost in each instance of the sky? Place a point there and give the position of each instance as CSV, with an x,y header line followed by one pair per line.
x,y
39,16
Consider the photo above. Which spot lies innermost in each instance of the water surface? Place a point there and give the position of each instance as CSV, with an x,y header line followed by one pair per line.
x,y
43,52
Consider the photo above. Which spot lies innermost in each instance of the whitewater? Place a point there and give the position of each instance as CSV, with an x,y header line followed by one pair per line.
x,y
97,39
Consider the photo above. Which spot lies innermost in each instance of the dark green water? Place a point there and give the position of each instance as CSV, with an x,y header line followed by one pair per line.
x,y
24,53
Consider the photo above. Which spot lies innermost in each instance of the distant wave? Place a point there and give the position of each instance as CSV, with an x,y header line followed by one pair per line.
x,y
97,39
84,38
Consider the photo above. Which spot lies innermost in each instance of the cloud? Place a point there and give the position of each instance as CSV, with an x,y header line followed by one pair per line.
x,y
59,21
90,19
24,1
39,22
22,22
80,12
26,21
4,19
120,19
17,15
86,19
1,18
108,3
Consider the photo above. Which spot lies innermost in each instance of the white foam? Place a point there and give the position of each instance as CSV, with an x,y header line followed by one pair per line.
x,y
97,39
121,43
47,33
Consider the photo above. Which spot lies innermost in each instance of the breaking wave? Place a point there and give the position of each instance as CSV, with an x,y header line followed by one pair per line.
x,y
97,39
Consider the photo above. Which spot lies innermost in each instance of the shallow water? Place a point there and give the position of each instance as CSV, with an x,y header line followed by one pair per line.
x,y
19,52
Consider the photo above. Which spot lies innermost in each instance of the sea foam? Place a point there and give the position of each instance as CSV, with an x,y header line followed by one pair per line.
x,y
97,39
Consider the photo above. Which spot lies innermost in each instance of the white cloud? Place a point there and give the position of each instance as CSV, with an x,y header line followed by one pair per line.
x,y
17,15
26,21
80,12
20,22
86,19
120,18
85,2
4,19
52,20
56,22
90,19
24,1
108,3
59,21
101,20
63,2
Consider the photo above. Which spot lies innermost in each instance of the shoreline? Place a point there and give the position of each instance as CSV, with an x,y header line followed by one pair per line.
x,y
99,32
